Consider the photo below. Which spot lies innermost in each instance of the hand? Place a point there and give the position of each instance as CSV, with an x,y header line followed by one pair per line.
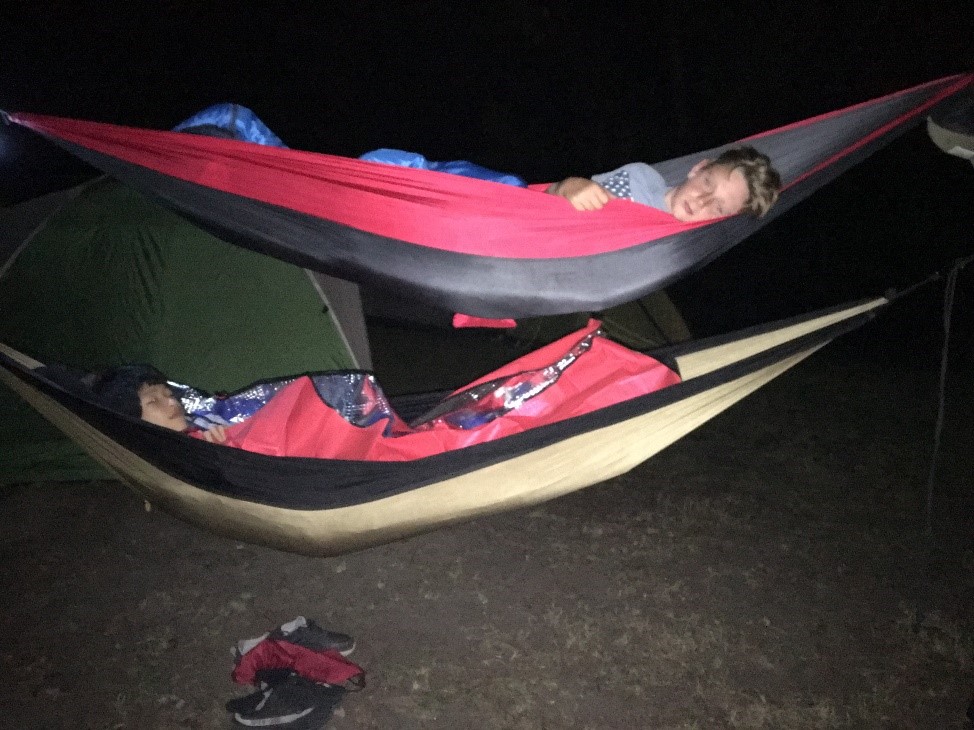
x,y
215,435
582,193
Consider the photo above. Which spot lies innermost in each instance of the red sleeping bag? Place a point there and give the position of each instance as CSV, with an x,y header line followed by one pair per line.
x,y
297,422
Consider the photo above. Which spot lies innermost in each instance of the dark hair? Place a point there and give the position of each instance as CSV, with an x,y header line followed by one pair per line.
x,y
118,387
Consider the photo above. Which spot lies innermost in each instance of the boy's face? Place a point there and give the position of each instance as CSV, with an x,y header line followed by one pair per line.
x,y
707,193
161,407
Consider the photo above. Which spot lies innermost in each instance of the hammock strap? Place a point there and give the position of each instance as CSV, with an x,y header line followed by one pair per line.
x,y
950,288
924,587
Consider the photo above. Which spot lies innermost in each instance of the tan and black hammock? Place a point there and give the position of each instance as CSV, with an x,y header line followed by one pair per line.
x,y
331,506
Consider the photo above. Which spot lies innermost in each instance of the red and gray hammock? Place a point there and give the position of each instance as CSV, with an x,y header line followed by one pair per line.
x,y
464,244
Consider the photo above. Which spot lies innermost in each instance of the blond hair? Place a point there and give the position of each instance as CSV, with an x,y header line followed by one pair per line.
x,y
763,181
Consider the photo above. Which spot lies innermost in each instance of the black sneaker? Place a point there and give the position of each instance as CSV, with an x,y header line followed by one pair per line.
x,y
294,703
311,636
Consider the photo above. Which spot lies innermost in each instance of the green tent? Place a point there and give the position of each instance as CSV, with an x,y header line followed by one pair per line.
x,y
110,277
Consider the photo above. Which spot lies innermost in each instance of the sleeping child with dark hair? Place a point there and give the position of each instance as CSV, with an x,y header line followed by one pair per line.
x,y
142,391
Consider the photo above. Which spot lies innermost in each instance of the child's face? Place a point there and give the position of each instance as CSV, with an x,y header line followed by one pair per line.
x,y
161,407
709,192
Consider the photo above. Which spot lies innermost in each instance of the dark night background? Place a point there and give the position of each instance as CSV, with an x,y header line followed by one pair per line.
x,y
548,89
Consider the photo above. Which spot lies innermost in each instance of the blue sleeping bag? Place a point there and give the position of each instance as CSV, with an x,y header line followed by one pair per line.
x,y
454,167
240,121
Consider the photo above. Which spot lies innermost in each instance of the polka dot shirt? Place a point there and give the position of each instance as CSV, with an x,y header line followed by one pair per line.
x,y
637,182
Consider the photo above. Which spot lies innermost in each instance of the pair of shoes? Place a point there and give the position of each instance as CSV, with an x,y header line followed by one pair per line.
x,y
292,702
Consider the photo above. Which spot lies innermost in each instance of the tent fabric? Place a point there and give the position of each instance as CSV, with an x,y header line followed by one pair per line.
x,y
162,291
651,321
112,277
468,245
330,506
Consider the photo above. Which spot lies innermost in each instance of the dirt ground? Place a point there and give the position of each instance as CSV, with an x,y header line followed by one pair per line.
x,y
768,571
